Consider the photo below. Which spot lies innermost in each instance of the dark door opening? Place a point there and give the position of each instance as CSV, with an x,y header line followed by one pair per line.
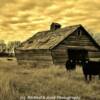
x,y
77,55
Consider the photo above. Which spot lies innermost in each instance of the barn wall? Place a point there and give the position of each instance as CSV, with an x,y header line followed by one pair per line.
x,y
60,56
94,54
75,40
31,57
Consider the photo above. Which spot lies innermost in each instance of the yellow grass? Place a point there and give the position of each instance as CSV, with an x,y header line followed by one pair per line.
x,y
17,81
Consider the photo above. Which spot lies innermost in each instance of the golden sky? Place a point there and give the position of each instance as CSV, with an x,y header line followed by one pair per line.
x,y
20,19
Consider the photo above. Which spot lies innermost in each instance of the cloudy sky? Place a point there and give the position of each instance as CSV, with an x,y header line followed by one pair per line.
x,y
20,19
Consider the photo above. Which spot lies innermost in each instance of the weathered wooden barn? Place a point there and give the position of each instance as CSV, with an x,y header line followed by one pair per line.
x,y
57,45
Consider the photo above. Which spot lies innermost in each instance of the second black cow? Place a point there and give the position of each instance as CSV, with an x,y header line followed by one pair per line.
x,y
91,68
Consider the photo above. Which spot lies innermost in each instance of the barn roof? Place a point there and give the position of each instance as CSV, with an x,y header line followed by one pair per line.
x,y
48,39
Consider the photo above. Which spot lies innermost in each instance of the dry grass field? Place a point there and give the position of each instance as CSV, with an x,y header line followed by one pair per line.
x,y
17,81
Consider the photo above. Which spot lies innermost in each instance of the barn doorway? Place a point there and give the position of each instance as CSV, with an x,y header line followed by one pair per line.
x,y
78,55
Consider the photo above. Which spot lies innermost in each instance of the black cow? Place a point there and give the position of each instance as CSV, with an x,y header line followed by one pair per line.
x,y
70,65
91,68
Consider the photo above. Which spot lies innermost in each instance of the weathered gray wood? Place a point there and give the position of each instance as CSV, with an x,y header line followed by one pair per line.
x,y
94,54
34,57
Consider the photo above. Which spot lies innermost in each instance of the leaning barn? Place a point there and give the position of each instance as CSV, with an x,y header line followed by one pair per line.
x,y
57,45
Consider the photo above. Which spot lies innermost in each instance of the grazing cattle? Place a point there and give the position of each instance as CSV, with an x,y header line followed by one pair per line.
x,y
91,68
70,65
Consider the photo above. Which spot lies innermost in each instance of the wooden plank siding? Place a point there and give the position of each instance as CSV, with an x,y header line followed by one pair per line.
x,y
34,56
94,54
60,54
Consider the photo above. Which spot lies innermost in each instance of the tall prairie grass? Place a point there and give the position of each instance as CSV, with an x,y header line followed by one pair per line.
x,y
17,81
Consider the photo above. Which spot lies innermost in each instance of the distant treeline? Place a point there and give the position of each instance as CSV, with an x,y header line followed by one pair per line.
x,y
8,49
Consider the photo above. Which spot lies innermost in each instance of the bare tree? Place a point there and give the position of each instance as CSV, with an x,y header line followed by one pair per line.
x,y
2,46
11,46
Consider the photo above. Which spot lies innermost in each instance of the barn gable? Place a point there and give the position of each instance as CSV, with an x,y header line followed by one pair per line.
x,y
80,38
